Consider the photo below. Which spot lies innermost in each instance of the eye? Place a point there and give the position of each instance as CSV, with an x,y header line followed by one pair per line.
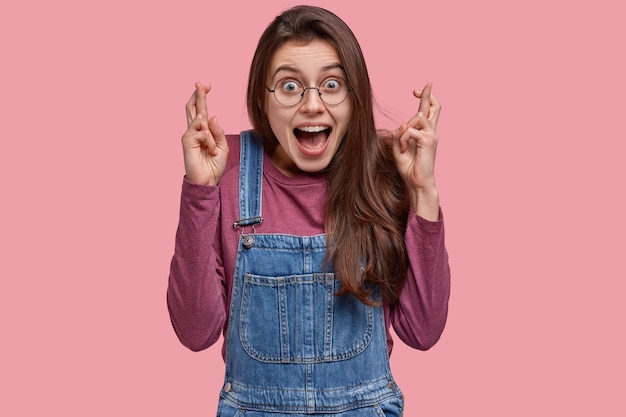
x,y
290,86
331,84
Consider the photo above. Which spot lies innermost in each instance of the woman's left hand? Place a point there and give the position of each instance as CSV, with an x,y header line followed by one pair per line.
x,y
414,148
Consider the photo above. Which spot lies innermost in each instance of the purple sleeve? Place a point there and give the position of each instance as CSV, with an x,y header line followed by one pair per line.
x,y
420,314
196,292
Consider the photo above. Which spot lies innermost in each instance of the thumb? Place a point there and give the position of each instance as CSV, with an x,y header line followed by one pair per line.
x,y
396,135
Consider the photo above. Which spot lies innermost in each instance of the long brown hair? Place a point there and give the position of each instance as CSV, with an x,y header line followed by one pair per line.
x,y
366,207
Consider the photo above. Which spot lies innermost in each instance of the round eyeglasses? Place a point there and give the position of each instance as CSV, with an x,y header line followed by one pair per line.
x,y
289,92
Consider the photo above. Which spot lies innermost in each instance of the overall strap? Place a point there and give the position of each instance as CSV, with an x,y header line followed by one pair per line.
x,y
250,180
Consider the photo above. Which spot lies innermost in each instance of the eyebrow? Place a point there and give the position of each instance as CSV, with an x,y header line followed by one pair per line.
x,y
292,69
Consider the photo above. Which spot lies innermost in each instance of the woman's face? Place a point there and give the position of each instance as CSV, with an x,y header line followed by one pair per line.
x,y
310,131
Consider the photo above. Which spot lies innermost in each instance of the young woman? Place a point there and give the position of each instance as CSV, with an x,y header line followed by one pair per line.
x,y
303,240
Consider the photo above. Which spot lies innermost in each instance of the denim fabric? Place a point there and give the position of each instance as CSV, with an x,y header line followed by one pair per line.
x,y
389,408
293,347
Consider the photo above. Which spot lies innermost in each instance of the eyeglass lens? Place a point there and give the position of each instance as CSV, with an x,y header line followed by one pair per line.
x,y
332,91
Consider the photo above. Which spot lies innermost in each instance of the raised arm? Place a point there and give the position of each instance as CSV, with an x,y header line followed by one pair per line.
x,y
420,314
196,290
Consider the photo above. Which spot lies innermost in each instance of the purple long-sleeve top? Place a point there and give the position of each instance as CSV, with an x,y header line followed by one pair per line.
x,y
202,268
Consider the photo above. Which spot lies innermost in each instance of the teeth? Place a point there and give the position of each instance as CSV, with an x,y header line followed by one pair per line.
x,y
312,129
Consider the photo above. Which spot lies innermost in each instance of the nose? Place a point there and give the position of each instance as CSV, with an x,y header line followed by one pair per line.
x,y
312,102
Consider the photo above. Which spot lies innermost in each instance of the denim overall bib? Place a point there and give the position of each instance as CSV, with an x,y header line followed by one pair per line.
x,y
293,348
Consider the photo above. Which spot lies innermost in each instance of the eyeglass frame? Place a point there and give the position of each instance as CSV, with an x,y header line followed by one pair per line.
x,y
304,89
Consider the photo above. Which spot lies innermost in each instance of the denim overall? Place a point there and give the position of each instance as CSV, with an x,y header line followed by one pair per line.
x,y
293,348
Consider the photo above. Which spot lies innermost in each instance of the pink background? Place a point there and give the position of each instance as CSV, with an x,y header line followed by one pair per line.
x,y
530,168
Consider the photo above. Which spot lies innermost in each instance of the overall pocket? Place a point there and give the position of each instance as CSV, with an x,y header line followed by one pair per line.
x,y
298,319
226,409
393,407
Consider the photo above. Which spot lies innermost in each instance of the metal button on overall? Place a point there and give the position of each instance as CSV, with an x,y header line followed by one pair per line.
x,y
248,242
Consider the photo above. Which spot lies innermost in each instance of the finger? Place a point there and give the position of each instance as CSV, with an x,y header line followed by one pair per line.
x,y
197,138
190,108
409,135
425,103
432,116
200,122
201,91
399,131
435,110
396,138
421,138
424,97
197,102
219,138
421,122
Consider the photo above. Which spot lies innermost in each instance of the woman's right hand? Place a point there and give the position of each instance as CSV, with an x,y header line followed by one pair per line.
x,y
204,143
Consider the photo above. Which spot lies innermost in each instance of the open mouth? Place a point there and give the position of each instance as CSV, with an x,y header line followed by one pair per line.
x,y
312,140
